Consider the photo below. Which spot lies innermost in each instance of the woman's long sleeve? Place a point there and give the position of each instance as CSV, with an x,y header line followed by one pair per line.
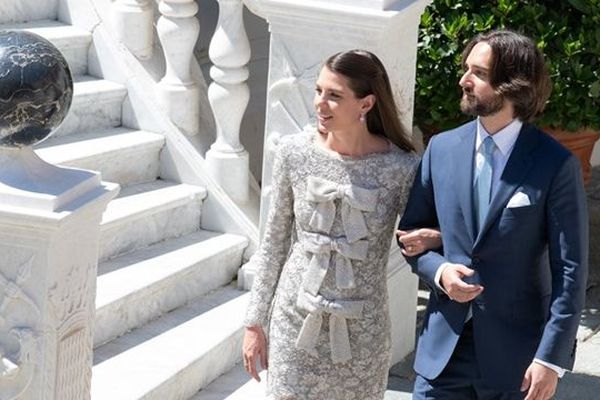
x,y
273,250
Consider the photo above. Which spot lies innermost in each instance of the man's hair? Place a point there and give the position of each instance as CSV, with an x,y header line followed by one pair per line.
x,y
517,71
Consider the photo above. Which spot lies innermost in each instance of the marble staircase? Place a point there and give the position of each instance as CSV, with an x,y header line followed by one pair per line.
x,y
168,320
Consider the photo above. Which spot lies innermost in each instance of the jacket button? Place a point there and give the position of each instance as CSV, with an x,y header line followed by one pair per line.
x,y
475,260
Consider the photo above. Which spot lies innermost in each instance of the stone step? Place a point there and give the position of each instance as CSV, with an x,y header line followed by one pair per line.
x,y
96,105
72,42
138,287
109,152
148,213
176,355
235,384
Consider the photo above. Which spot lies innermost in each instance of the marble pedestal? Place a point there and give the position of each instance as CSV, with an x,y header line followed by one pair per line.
x,y
49,230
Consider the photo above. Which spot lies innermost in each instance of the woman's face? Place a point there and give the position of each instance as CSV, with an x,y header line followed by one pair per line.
x,y
338,108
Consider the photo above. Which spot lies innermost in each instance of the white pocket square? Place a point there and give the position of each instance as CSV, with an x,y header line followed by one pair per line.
x,y
519,199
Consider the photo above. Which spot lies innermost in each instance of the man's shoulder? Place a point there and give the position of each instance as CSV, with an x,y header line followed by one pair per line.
x,y
457,133
548,147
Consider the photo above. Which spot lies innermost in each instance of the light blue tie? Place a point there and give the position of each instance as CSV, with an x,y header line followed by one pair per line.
x,y
483,182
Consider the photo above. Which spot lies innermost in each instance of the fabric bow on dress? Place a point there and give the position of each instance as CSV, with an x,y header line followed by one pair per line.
x,y
339,311
354,201
321,246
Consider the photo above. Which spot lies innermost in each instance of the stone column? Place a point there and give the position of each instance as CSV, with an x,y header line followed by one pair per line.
x,y
133,22
303,35
49,232
178,93
228,94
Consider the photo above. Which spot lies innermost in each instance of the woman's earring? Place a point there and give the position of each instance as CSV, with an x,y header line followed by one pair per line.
x,y
362,117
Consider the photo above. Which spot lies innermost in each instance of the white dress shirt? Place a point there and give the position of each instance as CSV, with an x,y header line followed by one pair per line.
x,y
505,140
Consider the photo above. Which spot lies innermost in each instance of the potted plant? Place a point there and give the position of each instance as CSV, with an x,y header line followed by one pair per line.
x,y
567,31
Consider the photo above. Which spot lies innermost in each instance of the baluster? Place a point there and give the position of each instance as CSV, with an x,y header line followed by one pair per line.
x,y
132,21
228,95
178,30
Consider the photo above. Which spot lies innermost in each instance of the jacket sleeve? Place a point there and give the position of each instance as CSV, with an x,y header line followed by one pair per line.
x,y
420,212
567,232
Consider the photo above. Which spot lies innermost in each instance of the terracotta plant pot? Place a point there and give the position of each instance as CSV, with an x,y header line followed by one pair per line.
x,y
580,143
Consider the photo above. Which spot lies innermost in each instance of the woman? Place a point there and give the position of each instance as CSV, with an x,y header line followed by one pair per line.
x,y
321,284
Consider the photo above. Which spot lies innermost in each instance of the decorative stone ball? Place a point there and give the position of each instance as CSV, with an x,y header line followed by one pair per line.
x,y
36,88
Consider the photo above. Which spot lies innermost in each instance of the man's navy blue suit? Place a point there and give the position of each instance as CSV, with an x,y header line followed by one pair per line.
x,y
531,260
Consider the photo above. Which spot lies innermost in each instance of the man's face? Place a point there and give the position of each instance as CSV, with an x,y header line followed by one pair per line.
x,y
479,98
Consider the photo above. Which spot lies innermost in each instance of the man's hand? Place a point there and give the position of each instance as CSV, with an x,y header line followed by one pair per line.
x,y
539,382
454,285
254,349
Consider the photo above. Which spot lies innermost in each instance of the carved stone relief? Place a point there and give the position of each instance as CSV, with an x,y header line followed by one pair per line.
x,y
73,354
19,333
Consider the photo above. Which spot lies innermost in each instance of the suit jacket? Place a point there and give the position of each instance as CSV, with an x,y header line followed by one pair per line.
x,y
531,260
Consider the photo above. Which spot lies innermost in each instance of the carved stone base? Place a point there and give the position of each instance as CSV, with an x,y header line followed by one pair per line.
x,y
128,16
181,102
229,169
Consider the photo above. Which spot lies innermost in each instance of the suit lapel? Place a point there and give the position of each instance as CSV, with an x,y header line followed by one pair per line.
x,y
463,172
517,167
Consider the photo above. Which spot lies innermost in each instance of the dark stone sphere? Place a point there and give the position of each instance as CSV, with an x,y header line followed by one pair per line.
x,y
36,88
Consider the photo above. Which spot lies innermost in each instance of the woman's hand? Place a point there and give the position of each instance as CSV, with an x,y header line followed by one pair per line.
x,y
254,348
417,241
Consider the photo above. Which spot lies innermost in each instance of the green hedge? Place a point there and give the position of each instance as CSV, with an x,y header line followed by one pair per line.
x,y
567,31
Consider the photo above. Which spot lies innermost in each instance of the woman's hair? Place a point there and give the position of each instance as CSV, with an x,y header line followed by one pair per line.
x,y
517,71
366,75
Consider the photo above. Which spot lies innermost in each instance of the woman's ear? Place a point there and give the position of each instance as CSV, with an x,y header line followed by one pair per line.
x,y
367,103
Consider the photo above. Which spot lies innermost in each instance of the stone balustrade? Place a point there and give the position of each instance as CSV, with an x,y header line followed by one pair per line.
x,y
229,95
179,95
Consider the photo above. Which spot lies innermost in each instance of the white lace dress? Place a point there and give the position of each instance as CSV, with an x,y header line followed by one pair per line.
x,y
320,286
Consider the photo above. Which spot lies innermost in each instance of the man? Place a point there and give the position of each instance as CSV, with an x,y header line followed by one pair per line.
x,y
508,284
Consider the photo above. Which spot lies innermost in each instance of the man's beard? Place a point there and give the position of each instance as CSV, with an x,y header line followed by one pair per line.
x,y
471,105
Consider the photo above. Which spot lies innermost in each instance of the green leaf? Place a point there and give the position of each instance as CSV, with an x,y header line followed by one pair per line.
x,y
581,5
568,32
595,89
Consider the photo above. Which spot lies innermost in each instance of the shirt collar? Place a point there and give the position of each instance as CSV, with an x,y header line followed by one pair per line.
x,y
504,139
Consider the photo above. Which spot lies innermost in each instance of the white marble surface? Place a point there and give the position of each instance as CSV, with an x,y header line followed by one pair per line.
x,y
181,158
109,152
236,384
72,42
28,182
159,211
231,171
373,4
48,276
138,287
176,355
178,92
27,10
96,105
137,16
